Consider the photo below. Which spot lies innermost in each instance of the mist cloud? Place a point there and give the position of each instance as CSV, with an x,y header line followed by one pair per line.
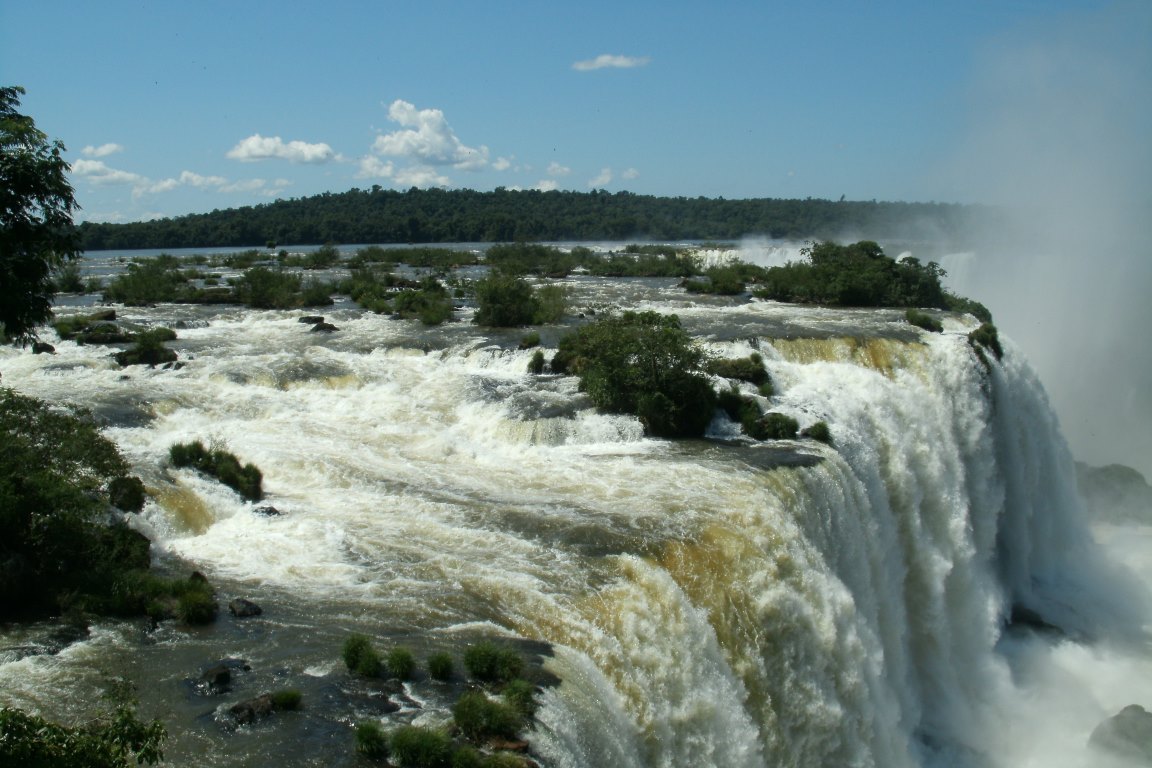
x,y
1059,133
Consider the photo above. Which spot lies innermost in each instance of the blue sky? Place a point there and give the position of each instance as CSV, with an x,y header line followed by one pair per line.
x,y
169,108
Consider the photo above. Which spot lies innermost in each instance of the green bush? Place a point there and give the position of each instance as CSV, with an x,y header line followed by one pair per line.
x,y
414,747
536,364
466,757
529,340
361,658
504,301
264,288
149,281
750,369
245,479
287,700
923,320
818,431
645,364
197,607
440,666
521,696
115,740
149,348
491,663
127,493
371,741
479,717
315,293
773,426
987,337
401,663
551,304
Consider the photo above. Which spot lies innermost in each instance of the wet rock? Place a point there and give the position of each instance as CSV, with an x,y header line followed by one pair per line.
x,y
311,319
1127,734
268,511
106,315
174,366
153,357
217,678
42,348
324,328
247,712
242,608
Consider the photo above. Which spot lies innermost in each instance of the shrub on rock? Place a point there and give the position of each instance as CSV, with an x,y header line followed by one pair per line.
x,y
491,663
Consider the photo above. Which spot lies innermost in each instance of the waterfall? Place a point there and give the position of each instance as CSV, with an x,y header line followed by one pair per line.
x,y
706,603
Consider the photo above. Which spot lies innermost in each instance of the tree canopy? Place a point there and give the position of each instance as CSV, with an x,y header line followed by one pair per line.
x,y
37,235
642,363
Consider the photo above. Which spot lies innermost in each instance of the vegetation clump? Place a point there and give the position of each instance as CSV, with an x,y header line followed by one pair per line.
x,y
118,739
361,658
149,349
536,364
986,337
856,275
491,663
287,700
400,663
773,426
441,666
480,717
750,369
412,746
246,480
642,363
923,320
371,742
818,431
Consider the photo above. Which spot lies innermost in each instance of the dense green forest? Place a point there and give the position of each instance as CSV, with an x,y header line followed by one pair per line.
x,y
443,216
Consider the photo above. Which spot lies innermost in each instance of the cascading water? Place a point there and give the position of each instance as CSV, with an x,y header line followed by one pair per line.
x,y
709,603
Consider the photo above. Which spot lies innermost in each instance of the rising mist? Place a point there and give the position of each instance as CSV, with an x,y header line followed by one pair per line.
x,y
1060,121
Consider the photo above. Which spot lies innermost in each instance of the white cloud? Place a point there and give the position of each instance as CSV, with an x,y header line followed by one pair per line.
x,y
420,176
555,169
427,138
97,172
605,177
630,174
101,151
608,61
501,164
196,180
547,185
374,168
161,186
257,147
248,185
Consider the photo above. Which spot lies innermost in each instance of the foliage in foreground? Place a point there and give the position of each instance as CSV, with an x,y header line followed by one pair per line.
x,y
58,476
246,480
118,740
642,363
37,235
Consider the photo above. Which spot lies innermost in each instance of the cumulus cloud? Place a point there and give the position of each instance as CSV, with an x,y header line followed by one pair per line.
x,y
97,172
501,164
372,167
604,177
420,176
547,185
257,147
555,169
101,151
630,174
427,138
609,61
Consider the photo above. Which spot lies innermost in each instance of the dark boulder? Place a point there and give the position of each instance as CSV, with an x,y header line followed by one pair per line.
x,y
311,319
153,356
1127,734
247,712
242,608
217,678
324,328
268,511
43,348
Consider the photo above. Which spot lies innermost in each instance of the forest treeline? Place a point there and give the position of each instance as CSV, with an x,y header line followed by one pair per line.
x,y
379,215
